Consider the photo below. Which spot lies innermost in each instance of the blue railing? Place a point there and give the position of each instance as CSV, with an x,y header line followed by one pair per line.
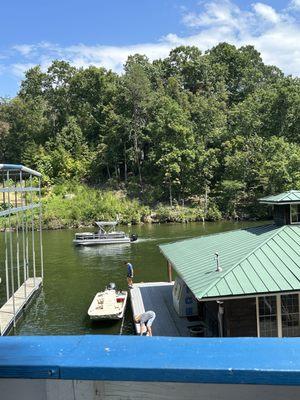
x,y
157,359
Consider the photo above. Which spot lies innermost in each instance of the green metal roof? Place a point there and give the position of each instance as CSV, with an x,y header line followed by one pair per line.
x,y
286,197
255,260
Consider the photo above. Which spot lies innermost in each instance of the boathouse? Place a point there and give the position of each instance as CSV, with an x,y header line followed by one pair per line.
x,y
244,282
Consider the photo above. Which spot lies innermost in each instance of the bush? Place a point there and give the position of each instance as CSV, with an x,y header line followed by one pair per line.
x,y
177,214
73,204
213,213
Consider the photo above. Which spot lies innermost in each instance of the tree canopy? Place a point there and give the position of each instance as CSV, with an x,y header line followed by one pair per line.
x,y
219,128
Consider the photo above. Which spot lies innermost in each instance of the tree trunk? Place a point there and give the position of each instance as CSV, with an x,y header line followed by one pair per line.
x,y
108,171
140,176
206,201
136,127
170,193
125,165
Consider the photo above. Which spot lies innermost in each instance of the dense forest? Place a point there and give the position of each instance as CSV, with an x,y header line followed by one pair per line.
x,y
213,130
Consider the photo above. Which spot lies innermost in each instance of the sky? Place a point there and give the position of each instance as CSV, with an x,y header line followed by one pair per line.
x,y
104,33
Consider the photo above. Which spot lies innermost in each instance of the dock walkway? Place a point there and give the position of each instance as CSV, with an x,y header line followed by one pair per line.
x,y
157,296
22,297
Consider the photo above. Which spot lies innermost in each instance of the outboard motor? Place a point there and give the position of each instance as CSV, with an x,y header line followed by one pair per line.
x,y
111,286
133,237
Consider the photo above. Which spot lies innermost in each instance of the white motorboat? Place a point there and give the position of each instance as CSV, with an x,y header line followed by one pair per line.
x,y
109,304
106,235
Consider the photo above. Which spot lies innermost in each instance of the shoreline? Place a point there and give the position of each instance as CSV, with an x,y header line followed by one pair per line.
x,y
66,206
91,225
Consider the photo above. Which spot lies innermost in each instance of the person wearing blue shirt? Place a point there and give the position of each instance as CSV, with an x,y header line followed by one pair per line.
x,y
129,274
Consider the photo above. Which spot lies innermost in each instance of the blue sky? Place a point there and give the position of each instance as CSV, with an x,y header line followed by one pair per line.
x,y
105,32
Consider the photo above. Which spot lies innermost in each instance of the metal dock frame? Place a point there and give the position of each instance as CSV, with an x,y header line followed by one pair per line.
x,y
20,193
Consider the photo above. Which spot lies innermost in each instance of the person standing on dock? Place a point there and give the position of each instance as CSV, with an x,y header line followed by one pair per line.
x,y
129,274
146,319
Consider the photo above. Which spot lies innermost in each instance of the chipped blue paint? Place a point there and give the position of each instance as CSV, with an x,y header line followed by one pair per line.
x,y
157,359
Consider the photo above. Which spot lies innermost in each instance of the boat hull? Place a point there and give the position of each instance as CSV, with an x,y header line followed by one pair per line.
x,y
106,317
96,242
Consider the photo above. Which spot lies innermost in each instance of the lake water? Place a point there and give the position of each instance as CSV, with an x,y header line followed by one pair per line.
x,y
74,274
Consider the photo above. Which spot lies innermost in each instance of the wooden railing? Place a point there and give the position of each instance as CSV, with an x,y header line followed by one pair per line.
x,y
131,367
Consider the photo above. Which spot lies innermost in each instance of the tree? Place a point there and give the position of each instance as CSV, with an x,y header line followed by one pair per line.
x,y
242,69
33,85
136,97
220,127
70,137
172,146
27,124
93,94
4,134
56,92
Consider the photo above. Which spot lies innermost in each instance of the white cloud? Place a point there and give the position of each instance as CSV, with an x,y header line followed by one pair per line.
x,y
276,34
216,13
19,69
295,4
266,12
24,49
110,57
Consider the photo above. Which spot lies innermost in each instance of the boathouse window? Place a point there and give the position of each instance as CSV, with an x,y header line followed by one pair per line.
x,y
290,315
295,213
267,316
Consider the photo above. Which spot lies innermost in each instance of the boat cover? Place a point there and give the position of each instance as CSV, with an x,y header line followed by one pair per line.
x,y
106,223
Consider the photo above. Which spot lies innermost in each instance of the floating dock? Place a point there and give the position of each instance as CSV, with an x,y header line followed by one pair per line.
x,y
157,296
17,303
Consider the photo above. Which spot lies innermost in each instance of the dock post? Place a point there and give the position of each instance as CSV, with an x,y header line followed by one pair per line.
x,y
23,203
17,234
11,252
40,228
32,231
170,272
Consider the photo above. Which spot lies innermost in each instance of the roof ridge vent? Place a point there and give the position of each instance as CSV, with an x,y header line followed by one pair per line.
x,y
217,258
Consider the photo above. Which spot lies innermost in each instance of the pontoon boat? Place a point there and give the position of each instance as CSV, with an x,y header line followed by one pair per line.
x,y
105,235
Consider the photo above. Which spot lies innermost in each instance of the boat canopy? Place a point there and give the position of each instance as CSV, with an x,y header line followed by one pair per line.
x,y
106,223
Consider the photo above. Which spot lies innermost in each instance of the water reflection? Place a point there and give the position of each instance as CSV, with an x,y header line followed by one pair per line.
x,y
107,250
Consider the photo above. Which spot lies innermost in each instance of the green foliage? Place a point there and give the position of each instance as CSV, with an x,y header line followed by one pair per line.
x,y
213,213
219,126
70,138
177,214
71,204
